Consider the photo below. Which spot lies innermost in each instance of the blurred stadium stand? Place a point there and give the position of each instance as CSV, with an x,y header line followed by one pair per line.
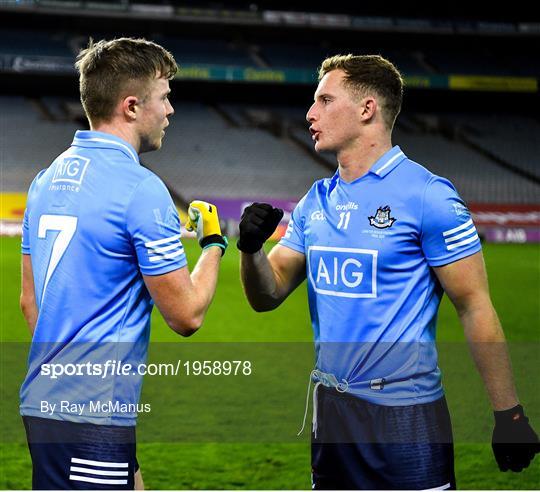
x,y
34,42
483,60
205,155
292,56
29,140
240,130
477,178
514,140
236,150
227,51
208,52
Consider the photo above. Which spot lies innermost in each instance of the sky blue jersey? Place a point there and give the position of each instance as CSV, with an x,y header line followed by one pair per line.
x,y
96,220
373,297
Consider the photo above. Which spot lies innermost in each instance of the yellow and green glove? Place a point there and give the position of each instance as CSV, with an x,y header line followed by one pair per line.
x,y
203,218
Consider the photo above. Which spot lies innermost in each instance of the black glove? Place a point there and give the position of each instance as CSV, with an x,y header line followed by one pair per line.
x,y
257,224
514,442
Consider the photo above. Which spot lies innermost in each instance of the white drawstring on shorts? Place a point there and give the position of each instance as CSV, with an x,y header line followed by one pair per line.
x,y
328,380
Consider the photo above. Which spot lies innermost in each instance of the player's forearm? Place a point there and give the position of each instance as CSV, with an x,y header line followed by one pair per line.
x,y
30,312
490,353
204,278
259,281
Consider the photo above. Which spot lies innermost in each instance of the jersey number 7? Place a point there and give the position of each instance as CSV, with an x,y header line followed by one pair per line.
x,y
67,225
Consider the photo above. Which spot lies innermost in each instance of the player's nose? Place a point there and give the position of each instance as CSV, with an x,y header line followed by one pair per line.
x,y
170,110
311,114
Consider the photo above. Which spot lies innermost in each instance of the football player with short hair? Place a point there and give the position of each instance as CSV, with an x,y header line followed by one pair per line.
x,y
379,243
101,244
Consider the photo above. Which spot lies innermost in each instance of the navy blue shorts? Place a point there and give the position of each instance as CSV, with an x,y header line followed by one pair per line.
x,y
360,445
70,455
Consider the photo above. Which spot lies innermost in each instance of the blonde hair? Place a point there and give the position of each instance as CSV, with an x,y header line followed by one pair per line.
x,y
107,69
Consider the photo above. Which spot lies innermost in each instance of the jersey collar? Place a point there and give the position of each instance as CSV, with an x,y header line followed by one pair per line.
x,y
388,161
86,138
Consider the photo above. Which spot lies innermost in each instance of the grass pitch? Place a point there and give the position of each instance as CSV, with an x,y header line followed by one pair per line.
x,y
514,272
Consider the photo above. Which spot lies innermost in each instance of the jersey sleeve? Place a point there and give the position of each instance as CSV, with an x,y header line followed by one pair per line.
x,y
294,235
25,243
448,232
154,227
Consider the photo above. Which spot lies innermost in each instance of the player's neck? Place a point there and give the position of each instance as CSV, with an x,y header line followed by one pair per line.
x,y
118,131
357,159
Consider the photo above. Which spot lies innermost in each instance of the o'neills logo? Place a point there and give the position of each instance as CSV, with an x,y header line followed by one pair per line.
x,y
348,206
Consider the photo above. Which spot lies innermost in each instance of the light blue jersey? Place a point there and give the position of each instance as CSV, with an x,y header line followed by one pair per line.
x,y
373,297
96,220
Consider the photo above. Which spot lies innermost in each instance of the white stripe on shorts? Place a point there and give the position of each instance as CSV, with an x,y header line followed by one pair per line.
x,y
92,471
97,480
441,487
106,464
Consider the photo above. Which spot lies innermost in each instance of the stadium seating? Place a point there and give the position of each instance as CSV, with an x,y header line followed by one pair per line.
x,y
286,55
459,62
309,56
477,178
204,156
28,141
22,42
306,55
512,138
476,60
237,150
208,52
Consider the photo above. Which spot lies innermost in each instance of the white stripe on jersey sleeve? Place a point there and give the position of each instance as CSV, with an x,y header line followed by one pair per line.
x,y
458,228
166,256
453,238
450,247
164,249
152,244
457,237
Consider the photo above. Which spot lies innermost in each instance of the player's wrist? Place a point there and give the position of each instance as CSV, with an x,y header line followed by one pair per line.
x,y
249,246
215,240
513,414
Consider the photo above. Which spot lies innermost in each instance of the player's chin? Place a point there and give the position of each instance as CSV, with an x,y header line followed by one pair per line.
x,y
319,147
158,142
150,146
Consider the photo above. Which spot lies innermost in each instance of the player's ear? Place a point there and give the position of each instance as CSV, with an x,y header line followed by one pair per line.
x,y
129,107
368,107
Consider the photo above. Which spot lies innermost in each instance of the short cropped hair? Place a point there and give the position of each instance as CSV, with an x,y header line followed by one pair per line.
x,y
370,73
108,70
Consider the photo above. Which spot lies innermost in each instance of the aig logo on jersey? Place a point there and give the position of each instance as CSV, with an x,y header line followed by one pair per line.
x,y
70,169
343,272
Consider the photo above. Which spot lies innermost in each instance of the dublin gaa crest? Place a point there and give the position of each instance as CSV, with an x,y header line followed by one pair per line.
x,y
382,218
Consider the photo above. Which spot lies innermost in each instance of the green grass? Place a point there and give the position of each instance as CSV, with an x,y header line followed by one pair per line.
x,y
252,452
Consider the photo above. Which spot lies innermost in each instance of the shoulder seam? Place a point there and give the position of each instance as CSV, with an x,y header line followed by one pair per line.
x,y
432,178
130,200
